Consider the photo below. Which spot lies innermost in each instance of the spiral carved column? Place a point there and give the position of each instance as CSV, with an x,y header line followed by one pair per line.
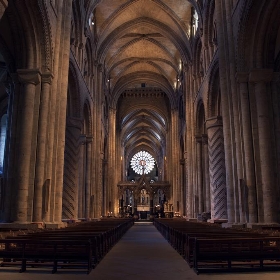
x,y
217,169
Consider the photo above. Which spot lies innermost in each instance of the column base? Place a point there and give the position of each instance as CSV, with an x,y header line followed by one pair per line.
x,y
262,225
55,225
217,221
19,225
234,225
192,219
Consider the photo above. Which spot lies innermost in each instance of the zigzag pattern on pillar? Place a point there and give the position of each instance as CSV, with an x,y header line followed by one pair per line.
x,y
70,176
217,173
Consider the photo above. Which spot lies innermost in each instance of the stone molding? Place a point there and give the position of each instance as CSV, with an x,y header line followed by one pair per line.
x,y
47,77
29,76
261,75
242,77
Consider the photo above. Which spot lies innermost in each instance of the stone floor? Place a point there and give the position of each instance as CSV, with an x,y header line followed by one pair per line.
x,y
143,254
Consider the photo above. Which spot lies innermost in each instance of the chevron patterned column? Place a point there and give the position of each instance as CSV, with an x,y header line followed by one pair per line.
x,y
217,170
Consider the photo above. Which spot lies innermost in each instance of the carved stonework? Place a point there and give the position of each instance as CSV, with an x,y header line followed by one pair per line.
x,y
217,169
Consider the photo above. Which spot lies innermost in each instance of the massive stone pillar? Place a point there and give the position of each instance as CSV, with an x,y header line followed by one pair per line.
x,y
199,181
206,173
217,169
82,167
28,79
260,78
226,105
175,159
13,90
112,185
249,201
89,191
41,184
71,169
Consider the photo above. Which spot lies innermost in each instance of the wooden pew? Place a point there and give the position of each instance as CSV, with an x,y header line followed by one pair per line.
x,y
73,253
236,254
100,235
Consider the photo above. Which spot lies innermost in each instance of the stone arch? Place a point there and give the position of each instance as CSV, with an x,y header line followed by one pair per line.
x,y
259,23
31,34
214,97
73,98
198,58
200,118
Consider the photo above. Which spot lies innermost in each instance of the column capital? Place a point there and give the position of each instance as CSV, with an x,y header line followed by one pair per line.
x,y
204,138
47,77
29,76
261,75
214,121
242,77
89,138
198,138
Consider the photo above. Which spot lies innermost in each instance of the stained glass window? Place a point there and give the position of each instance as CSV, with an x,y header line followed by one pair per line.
x,y
142,162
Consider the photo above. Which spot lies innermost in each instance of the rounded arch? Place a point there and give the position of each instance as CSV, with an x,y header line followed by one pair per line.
x,y
200,118
214,99
143,77
259,23
31,35
87,120
73,95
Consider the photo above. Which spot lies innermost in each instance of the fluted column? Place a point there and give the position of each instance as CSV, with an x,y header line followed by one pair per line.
x,y
13,89
199,174
41,185
226,105
89,191
29,79
217,169
275,88
111,193
260,78
82,168
250,181
189,148
206,173
175,160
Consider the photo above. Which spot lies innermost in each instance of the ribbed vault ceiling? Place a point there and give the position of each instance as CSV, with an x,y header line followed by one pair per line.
x,y
143,42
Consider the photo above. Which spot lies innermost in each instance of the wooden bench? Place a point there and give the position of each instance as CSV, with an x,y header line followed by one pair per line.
x,y
236,254
23,252
49,243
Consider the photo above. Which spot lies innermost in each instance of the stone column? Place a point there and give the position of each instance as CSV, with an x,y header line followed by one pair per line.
x,y
175,159
81,188
250,181
40,185
62,85
260,78
206,173
29,78
199,174
217,169
111,193
189,148
88,177
275,88
226,106
12,89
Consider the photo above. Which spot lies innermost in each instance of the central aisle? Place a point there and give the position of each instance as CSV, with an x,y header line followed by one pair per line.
x,y
141,254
